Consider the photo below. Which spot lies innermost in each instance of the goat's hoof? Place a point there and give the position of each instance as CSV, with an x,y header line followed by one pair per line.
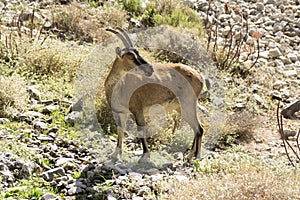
x,y
145,158
114,158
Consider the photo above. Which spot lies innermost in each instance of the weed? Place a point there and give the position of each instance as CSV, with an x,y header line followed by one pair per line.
x,y
78,175
227,51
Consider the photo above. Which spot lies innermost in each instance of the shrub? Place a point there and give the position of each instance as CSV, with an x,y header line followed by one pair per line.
x,y
79,23
156,13
13,95
239,127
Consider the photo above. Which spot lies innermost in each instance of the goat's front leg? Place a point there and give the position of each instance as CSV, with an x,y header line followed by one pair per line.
x,y
121,123
118,150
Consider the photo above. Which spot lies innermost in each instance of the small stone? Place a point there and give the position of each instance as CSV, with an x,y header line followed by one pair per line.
x,y
290,73
50,108
289,133
273,2
260,7
144,191
40,125
34,93
31,115
258,99
73,117
49,196
45,138
292,57
279,84
62,161
49,175
264,54
182,179
109,197
275,53
137,198
285,60
116,169
74,190
4,121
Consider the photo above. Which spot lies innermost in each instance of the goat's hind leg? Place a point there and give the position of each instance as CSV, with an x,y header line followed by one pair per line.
x,y
191,117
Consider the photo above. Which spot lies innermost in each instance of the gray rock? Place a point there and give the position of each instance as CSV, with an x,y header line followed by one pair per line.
x,y
258,99
73,117
182,179
50,108
41,126
260,7
112,167
62,161
137,198
31,115
279,84
2,6
49,196
34,93
292,57
49,175
4,121
290,73
74,190
275,53
45,138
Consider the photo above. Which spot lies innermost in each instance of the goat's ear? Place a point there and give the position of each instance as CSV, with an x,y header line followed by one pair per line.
x,y
118,51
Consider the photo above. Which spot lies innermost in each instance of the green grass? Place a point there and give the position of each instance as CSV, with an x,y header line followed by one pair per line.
x,y
28,189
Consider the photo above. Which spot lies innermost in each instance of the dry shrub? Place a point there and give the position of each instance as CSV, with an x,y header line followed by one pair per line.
x,y
235,178
239,127
80,23
104,116
53,58
13,95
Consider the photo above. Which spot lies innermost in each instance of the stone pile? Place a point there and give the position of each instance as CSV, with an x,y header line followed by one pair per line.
x,y
278,23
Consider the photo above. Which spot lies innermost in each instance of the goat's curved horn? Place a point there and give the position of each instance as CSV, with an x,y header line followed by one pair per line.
x,y
124,39
126,36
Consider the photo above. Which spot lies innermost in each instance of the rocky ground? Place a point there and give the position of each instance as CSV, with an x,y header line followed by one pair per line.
x,y
79,172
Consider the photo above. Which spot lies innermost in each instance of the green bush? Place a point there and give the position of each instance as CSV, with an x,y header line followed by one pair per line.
x,y
156,13
134,7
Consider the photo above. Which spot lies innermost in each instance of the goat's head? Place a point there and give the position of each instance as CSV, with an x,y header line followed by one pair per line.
x,y
129,56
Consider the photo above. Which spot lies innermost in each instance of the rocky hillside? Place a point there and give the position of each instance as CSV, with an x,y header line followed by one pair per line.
x,y
47,150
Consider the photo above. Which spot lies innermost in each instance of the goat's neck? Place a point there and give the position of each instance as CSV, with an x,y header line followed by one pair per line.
x,y
114,75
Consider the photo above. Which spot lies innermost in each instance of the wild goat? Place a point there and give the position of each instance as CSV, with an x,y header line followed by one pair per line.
x,y
133,85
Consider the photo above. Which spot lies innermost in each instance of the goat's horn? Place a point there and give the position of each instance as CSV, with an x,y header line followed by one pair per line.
x,y
126,36
124,40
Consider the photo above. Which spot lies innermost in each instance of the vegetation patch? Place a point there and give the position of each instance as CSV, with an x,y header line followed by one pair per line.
x,y
13,95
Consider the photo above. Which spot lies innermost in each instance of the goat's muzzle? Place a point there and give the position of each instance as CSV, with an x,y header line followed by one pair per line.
x,y
147,69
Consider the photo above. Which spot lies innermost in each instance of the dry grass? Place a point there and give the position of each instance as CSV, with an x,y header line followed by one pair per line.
x,y
238,178
13,95
79,22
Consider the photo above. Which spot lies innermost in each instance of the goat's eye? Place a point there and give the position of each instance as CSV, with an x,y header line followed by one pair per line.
x,y
131,56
